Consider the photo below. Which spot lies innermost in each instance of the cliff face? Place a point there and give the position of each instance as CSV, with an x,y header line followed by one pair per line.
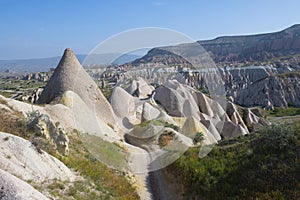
x,y
231,49
253,86
280,90
254,47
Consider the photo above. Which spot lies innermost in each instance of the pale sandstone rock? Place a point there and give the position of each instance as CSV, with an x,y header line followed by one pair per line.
x,y
123,103
149,112
69,75
21,158
13,188
192,126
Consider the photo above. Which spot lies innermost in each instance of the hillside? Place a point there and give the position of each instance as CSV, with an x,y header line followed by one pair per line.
x,y
260,166
251,48
233,50
252,69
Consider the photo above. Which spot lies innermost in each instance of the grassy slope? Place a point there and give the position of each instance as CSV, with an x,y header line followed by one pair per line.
x,y
257,166
280,112
97,182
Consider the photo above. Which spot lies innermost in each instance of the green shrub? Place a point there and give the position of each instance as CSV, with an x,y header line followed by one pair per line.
x,y
199,137
264,165
280,112
110,183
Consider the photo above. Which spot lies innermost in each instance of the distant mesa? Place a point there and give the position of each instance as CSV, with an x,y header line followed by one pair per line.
x,y
232,49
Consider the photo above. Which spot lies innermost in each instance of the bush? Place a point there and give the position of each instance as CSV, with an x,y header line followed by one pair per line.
x,y
290,111
199,137
264,165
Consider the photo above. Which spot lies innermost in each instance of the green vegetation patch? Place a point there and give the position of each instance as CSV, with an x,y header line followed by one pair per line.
x,y
98,182
111,154
264,165
13,122
109,183
158,123
280,112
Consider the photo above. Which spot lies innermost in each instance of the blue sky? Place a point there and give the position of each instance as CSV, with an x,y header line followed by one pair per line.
x,y
44,28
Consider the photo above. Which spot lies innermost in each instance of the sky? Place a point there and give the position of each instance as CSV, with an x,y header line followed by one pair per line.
x,y
44,28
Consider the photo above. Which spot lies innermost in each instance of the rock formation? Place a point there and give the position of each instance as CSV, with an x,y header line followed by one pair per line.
x,y
254,47
17,189
124,106
222,119
69,75
280,91
231,49
42,126
191,127
140,88
149,112
270,50
21,158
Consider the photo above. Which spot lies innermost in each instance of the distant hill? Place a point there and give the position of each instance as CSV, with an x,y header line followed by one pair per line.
x,y
253,86
254,47
233,49
44,64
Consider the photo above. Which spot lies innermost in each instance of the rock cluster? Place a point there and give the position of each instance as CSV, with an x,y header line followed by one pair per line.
x,y
39,76
280,91
140,88
252,86
182,101
44,127
32,98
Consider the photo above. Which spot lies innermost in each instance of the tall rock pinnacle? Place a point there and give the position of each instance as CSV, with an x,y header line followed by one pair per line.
x,y
69,75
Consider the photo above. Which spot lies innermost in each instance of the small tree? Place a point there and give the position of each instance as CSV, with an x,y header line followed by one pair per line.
x,y
199,137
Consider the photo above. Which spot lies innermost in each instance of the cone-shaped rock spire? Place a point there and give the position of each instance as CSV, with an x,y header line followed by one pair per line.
x,y
69,75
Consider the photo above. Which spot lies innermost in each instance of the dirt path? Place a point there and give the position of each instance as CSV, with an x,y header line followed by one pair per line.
x,y
139,160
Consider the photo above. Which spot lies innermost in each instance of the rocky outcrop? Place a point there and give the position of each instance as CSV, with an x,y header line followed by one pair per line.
x,y
252,86
177,99
125,106
69,75
42,126
32,98
233,114
192,126
228,129
220,118
14,188
254,47
38,76
81,117
21,158
253,121
280,91
149,112
139,88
